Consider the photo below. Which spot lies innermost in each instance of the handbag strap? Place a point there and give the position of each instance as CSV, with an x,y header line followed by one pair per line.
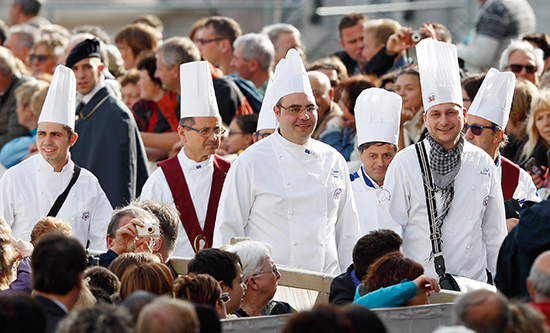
x,y
61,198
439,260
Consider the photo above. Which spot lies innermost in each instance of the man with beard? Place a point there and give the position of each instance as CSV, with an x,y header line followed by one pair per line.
x,y
191,181
290,190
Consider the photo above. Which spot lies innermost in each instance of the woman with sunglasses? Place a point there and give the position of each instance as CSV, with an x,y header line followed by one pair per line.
x,y
43,56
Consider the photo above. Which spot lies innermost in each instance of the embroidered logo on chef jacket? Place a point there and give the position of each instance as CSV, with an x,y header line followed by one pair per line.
x,y
485,172
485,200
335,173
337,194
384,195
86,216
431,97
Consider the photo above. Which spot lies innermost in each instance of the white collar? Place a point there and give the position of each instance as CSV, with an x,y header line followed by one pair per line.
x,y
189,165
85,99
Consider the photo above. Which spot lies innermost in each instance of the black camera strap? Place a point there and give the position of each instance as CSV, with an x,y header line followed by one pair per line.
x,y
439,260
61,198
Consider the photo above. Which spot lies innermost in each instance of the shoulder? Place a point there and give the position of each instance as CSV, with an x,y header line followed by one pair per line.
x,y
475,154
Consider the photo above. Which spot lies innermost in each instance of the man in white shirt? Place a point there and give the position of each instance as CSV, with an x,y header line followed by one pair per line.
x,y
377,115
191,181
289,190
487,117
28,190
469,213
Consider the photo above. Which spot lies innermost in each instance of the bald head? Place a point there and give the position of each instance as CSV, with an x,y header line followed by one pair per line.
x,y
323,92
538,282
483,311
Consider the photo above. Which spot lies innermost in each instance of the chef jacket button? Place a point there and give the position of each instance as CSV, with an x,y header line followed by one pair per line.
x,y
469,217
41,193
280,156
468,246
473,188
294,243
288,183
324,184
323,213
290,212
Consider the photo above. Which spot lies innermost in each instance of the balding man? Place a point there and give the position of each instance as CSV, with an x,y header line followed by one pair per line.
x,y
537,284
324,98
26,11
483,311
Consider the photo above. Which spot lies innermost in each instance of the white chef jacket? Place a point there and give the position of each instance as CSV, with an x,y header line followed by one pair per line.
x,y
524,178
29,189
475,226
298,198
365,192
199,182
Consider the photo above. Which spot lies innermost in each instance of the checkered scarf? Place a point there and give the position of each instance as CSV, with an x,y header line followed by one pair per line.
x,y
445,165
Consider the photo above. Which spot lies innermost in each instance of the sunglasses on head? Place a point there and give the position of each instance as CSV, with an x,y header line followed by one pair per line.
x,y
476,129
39,57
517,68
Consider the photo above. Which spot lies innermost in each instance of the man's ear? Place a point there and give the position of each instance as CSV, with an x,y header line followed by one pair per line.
x,y
181,133
277,112
73,138
224,286
498,136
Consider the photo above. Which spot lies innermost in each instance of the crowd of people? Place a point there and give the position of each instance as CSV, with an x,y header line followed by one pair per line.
x,y
391,173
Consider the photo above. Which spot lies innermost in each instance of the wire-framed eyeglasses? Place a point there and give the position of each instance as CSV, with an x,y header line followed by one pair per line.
x,y
218,131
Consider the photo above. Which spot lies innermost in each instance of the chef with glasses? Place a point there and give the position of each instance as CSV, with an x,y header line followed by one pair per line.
x,y
487,118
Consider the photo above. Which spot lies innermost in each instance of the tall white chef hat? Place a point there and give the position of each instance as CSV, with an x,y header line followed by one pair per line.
x,y
198,98
439,73
291,77
377,115
60,103
494,98
267,118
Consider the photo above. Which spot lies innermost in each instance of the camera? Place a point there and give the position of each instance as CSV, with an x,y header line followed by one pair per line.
x,y
148,230
414,36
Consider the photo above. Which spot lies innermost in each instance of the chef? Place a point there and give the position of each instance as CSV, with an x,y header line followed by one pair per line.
x,y
377,115
289,190
469,218
191,181
487,118
49,183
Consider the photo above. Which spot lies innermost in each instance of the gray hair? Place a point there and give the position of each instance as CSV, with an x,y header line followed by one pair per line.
x,y
174,314
27,34
132,210
540,281
177,51
29,7
524,46
168,223
463,311
252,254
8,66
99,318
259,47
273,31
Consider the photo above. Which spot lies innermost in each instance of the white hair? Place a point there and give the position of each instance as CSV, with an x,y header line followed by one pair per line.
x,y
518,45
252,254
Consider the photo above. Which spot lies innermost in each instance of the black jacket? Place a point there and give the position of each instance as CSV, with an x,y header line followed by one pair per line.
x,y
523,244
342,289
